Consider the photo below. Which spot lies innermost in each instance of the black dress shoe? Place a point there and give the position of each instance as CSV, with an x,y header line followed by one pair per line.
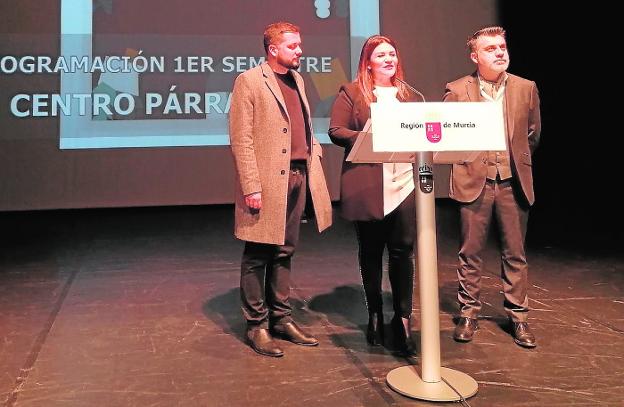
x,y
375,330
291,332
402,330
465,329
262,342
522,334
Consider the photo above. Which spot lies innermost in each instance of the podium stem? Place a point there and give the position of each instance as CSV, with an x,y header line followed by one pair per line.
x,y
437,383
428,270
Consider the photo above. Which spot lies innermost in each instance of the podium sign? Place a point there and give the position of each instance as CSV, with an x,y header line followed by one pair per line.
x,y
438,126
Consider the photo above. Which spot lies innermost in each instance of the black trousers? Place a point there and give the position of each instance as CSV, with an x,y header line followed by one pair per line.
x,y
265,268
396,232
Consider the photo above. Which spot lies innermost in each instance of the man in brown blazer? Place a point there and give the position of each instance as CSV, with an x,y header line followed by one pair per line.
x,y
498,183
277,158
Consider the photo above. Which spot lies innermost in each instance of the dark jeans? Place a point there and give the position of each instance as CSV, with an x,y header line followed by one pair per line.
x,y
265,268
497,199
396,232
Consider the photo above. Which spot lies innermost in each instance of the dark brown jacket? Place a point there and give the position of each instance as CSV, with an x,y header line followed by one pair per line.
x,y
523,130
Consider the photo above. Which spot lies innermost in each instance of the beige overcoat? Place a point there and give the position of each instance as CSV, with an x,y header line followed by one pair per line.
x,y
260,141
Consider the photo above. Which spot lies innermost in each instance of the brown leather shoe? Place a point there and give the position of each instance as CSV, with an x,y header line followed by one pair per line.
x,y
465,329
291,332
522,334
262,342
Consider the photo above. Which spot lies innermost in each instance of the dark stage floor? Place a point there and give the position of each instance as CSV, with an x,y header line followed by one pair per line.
x,y
139,307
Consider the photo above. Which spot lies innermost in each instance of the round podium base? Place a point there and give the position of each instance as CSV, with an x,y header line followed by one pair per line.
x,y
405,380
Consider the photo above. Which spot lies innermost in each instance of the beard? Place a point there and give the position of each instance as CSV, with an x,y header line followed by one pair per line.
x,y
290,63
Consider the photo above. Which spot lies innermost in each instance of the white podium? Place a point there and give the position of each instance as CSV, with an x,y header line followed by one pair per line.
x,y
412,132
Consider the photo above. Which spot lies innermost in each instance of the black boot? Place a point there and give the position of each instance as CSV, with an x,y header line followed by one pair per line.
x,y
401,273
375,330
402,330
370,255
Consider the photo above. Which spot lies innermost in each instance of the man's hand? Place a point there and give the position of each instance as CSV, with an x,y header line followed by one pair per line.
x,y
254,201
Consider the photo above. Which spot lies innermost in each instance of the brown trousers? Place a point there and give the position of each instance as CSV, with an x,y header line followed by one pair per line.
x,y
498,199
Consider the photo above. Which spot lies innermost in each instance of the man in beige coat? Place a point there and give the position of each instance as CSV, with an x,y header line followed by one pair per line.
x,y
496,184
277,159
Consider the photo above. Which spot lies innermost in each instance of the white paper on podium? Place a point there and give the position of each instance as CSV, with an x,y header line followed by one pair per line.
x,y
362,151
438,126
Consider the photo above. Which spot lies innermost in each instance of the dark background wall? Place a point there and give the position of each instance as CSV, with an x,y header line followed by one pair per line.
x,y
575,167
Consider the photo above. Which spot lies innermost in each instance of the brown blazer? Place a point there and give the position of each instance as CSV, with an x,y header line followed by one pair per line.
x,y
361,185
523,125
260,142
